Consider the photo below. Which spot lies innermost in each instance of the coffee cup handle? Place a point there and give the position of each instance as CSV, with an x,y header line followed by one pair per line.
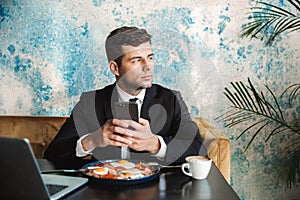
x,y
183,167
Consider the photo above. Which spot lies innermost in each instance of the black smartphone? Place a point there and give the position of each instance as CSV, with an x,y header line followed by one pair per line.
x,y
126,110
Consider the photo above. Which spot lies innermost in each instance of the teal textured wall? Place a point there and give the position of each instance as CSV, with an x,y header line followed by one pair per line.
x,y
51,51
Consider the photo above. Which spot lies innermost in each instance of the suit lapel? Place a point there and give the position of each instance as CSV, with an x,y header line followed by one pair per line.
x,y
111,97
149,100
110,101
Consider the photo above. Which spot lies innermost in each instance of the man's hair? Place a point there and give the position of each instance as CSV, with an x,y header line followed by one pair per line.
x,y
125,35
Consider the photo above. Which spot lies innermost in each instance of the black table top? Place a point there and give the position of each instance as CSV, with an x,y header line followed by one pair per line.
x,y
170,184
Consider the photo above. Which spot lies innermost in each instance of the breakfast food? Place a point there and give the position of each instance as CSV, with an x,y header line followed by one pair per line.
x,y
119,169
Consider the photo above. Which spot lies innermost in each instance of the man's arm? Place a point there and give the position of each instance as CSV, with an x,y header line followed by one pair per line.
x,y
187,140
64,143
83,120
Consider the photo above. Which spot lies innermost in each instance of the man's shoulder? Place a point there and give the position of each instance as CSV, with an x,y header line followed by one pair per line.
x,y
108,88
102,92
159,89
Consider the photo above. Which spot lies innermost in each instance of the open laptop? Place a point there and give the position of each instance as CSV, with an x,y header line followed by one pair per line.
x,y
20,176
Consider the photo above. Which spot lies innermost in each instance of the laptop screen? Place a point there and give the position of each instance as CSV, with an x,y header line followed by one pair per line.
x,y
21,177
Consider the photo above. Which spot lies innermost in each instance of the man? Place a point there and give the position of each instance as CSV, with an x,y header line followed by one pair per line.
x,y
164,132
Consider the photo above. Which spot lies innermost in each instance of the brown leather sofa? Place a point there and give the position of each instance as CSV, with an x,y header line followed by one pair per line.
x,y
41,130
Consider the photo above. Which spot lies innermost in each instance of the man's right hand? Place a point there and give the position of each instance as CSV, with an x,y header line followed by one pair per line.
x,y
106,135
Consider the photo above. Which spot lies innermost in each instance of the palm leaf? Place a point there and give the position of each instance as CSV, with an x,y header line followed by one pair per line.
x,y
255,134
295,3
277,9
276,130
264,115
249,127
271,20
290,172
294,93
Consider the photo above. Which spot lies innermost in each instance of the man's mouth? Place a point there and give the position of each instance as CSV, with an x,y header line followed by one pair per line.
x,y
147,77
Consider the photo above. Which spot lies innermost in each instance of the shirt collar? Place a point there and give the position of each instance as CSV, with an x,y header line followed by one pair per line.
x,y
124,96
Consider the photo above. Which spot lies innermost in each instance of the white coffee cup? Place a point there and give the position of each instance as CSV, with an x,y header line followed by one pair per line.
x,y
198,166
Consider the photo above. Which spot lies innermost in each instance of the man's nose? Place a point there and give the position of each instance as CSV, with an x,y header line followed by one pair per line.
x,y
147,65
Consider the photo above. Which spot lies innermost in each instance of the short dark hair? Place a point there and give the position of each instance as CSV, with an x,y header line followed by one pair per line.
x,y
125,35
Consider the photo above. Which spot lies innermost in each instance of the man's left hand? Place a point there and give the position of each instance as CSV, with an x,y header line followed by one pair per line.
x,y
142,137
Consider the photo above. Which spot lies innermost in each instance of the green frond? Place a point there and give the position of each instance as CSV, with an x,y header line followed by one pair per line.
x,y
293,148
277,9
261,16
254,136
248,99
276,130
295,91
250,127
251,101
280,24
268,107
231,98
251,104
257,98
247,31
296,4
258,114
231,114
287,24
267,13
238,121
267,16
244,94
295,29
239,95
238,113
267,24
279,114
290,168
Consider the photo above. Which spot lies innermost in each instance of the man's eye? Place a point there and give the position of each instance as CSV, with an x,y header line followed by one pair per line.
x,y
150,58
136,60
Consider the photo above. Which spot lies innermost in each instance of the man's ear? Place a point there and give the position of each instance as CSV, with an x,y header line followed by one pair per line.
x,y
114,68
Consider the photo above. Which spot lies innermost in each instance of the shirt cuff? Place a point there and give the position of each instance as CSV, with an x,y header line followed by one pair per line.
x,y
80,152
163,148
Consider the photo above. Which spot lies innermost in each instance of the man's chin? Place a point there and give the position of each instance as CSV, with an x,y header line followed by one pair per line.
x,y
145,86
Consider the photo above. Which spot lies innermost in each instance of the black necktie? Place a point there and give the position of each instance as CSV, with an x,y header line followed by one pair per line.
x,y
125,153
133,100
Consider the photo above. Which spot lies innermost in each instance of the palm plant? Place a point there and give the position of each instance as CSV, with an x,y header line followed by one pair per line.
x,y
271,20
265,115
248,105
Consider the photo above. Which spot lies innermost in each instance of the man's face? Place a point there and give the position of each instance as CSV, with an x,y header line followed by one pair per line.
x,y
137,67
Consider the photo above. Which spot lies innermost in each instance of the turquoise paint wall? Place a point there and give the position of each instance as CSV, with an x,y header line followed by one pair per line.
x,y
51,51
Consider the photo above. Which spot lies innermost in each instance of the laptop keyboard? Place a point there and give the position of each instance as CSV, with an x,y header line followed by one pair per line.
x,y
53,189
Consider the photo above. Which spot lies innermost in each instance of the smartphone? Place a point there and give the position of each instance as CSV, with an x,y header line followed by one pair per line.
x,y
126,110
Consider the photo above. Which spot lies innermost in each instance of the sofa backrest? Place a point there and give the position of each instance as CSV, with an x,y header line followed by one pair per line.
x,y
41,130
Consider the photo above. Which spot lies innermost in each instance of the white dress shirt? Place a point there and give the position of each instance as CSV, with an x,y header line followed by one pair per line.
x,y
124,97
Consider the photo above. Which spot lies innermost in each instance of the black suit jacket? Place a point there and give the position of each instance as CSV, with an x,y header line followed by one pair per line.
x,y
165,109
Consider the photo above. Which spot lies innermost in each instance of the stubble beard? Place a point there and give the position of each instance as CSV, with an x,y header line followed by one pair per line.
x,y
148,85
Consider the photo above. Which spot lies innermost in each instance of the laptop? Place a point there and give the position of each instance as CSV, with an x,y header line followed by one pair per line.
x,y
20,176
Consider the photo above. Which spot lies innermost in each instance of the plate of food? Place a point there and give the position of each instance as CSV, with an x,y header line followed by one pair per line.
x,y
121,171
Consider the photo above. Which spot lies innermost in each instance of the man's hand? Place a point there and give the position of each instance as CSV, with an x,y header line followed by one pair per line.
x,y
118,133
142,137
109,134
